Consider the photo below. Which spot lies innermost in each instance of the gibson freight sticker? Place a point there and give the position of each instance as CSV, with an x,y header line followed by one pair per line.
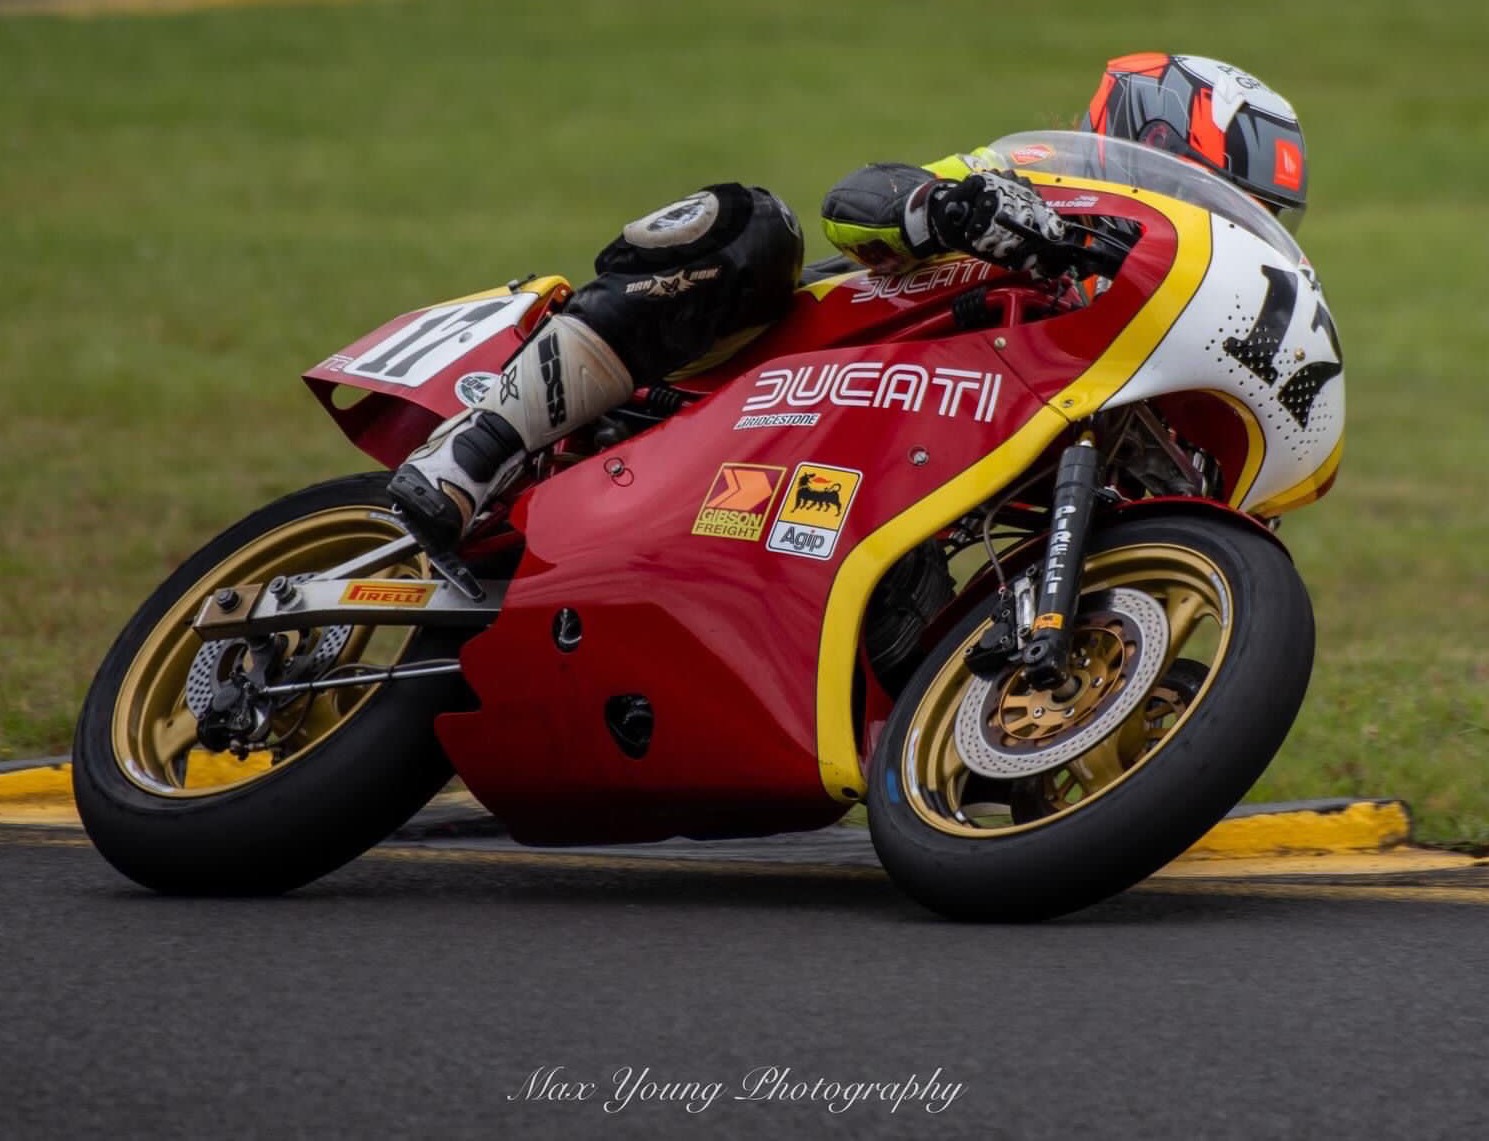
x,y
739,502
383,592
814,511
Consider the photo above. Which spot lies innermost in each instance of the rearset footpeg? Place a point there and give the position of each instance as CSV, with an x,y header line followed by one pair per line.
x,y
458,574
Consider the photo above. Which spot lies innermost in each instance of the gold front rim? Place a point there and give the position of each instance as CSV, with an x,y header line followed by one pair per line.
x,y
953,799
154,730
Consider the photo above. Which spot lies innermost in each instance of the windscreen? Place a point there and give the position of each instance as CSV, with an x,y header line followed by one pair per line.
x,y
1082,155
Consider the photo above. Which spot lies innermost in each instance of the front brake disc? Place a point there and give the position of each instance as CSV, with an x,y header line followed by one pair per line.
x,y
1006,733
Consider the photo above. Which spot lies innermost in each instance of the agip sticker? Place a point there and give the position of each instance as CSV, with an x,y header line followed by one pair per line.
x,y
814,510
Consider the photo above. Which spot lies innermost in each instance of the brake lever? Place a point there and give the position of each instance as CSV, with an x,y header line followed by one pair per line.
x,y
1054,257
1098,258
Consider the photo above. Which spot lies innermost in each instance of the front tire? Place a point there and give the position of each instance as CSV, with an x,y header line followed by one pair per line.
x,y
344,769
1019,847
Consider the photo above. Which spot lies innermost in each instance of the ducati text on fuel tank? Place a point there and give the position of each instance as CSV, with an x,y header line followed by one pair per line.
x,y
969,394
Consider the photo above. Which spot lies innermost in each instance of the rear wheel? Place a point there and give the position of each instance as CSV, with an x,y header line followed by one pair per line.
x,y
990,799
334,773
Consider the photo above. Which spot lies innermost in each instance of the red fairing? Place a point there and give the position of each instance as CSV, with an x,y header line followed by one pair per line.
x,y
721,634
699,555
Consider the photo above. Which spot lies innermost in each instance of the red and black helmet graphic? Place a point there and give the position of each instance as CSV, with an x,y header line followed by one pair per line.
x,y
1211,113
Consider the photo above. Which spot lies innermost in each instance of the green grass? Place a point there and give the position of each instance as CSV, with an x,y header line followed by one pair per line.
x,y
195,208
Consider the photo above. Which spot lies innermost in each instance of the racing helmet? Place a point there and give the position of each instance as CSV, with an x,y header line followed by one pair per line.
x,y
1210,113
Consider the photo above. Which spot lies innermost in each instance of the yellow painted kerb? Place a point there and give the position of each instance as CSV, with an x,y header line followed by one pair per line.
x,y
38,796
1368,826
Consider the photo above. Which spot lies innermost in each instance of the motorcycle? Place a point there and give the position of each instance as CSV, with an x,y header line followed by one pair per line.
x,y
989,552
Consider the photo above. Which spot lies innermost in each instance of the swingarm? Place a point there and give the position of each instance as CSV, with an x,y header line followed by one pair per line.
x,y
347,595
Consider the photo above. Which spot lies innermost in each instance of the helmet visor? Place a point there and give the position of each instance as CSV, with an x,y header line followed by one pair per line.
x,y
1281,190
1291,217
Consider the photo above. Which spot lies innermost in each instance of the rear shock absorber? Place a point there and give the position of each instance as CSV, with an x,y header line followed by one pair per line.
x,y
1047,652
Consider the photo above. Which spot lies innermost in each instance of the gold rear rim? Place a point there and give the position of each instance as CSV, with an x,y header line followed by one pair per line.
x,y
950,797
154,730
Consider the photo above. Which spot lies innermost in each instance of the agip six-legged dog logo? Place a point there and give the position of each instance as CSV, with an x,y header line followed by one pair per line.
x,y
809,496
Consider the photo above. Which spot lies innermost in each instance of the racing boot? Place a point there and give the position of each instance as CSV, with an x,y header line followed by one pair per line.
x,y
564,377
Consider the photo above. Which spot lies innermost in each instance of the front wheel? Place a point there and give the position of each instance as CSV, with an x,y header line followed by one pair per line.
x,y
334,773
1192,649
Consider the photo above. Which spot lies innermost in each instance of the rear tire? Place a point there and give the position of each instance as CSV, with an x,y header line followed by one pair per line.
x,y
344,791
1175,790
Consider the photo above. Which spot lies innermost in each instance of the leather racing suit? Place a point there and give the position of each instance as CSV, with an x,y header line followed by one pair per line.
x,y
686,286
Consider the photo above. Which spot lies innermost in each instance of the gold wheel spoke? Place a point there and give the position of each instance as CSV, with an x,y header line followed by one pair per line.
x,y
1017,725
955,787
944,771
1185,609
323,716
1100,766
1131,740
173,736
356,644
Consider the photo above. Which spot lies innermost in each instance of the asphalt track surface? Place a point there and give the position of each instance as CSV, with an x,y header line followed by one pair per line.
x,y
414,993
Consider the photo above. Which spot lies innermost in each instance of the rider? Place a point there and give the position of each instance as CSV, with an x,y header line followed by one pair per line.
x,y
699,278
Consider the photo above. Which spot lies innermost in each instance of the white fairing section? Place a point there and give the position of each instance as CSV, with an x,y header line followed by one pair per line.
x,y
1258,329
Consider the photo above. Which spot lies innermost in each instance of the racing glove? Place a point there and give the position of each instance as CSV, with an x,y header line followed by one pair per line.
x,y
994,215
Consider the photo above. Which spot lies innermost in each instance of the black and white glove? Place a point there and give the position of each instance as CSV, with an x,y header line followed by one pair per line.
x,y
993,215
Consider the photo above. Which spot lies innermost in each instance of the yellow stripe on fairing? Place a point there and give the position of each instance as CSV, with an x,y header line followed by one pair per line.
x,y
837,750
542,286
867,562
820,289
1094,388
1305,491
1256,447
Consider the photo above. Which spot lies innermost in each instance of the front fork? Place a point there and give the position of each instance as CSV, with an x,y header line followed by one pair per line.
x,y
1047,651
1045,635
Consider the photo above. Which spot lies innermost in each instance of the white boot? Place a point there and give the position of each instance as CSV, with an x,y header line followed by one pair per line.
x,y
563,378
